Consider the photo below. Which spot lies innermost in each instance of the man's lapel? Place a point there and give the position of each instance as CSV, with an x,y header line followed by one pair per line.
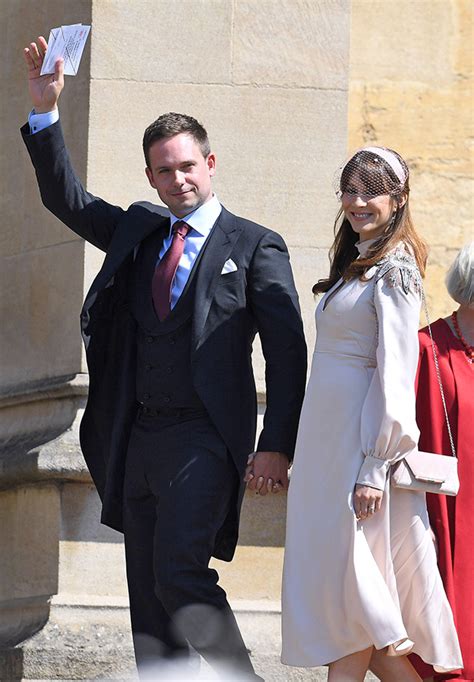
x,y
224,234
142,223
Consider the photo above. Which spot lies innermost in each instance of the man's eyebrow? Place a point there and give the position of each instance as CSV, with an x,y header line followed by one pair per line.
x,y
183,163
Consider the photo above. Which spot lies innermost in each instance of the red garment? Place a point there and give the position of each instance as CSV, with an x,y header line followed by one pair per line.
x,y
452,518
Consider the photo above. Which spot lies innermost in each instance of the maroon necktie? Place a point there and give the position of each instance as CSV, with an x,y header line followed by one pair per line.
x,y
166,270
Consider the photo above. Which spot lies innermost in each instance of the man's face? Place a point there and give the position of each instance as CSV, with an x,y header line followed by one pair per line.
x,y
180,173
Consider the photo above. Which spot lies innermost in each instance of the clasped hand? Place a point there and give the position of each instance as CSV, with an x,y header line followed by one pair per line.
x,y
267,472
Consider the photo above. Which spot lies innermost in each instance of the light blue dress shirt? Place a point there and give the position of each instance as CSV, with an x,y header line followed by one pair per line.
x,y
40,121
201,220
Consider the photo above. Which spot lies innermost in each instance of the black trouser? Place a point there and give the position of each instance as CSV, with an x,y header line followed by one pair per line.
x,y
179,484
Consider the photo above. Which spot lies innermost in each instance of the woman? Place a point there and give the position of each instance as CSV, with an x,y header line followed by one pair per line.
x,y
361,589
452,518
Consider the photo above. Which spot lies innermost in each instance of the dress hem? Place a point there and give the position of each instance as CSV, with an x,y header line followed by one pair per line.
x,y
436,668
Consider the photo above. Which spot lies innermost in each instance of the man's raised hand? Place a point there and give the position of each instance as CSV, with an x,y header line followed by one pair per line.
x,y
44,90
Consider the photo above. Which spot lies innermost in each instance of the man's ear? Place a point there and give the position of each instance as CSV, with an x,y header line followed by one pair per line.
x,y
149,175
211,164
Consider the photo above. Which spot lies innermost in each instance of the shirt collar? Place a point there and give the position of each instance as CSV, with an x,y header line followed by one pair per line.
x,y
363,247
203,218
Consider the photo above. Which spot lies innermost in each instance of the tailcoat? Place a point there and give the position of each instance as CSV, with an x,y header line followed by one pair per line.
x,y
229,309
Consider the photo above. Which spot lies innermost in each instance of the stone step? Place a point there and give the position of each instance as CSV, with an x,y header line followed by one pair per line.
x,y
64,653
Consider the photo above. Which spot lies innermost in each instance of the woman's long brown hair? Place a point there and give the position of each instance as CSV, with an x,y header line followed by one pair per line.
x,y
343,255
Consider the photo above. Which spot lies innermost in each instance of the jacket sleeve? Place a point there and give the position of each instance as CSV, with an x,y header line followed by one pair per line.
x,y
62,192
388,421
274,303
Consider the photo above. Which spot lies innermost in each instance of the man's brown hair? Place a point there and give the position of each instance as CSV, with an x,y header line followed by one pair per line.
x,y
171,124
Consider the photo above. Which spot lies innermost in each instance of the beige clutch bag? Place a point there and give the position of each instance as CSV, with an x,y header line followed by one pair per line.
x,y
427,471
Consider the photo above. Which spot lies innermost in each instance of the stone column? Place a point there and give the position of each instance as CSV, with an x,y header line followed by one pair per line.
x,y
269,81
63,609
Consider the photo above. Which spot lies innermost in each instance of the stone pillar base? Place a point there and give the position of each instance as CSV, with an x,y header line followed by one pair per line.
x,y
77,643
63,599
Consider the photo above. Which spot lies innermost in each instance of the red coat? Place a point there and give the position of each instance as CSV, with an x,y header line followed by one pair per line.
x,y
452,518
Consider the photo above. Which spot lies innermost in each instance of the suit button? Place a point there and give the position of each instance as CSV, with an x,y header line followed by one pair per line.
x,y
172,340
148,367
166,399
146,396
170,370
150,339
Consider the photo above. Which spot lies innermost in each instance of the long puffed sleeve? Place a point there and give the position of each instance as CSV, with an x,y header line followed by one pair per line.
x,y
388,420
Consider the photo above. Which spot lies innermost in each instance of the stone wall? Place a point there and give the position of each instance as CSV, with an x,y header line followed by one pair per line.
x,y
411,88
42,269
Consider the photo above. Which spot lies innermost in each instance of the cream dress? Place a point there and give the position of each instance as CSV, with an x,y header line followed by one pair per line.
x,y
348,585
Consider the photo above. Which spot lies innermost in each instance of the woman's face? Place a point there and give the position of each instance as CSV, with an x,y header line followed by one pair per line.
x,y
368,214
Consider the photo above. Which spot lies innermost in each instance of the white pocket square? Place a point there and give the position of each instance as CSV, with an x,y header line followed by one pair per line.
x,y
229,266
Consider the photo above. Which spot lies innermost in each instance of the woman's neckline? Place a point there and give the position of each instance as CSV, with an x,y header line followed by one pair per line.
x,y
363,247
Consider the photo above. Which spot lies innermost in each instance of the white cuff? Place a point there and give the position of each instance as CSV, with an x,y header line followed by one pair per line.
x,y
40,121
373,472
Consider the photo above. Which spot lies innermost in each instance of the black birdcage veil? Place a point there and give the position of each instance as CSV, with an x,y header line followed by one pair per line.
x,y
371,172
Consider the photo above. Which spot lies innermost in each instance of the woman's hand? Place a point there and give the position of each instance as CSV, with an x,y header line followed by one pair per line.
x,y
366,501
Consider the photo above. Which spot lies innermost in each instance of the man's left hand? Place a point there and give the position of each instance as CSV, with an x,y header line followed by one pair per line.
x,y
267,472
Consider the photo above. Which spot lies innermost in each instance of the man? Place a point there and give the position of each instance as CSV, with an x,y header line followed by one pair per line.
x,y
168,326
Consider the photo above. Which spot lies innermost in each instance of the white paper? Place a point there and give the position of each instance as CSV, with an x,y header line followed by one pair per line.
x,y
67,42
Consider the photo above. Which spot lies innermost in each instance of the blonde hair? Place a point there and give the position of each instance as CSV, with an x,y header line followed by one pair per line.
x,y
460,277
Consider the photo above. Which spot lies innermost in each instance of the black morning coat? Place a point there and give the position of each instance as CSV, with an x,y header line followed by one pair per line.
x,y
228,311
